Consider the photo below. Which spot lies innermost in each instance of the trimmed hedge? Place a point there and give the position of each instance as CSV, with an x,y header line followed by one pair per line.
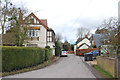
x,y
15,58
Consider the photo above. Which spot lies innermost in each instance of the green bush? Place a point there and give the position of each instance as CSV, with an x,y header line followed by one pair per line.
x,y
15,58
57,49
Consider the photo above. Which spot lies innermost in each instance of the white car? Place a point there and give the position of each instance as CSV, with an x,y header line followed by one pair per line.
x,y
64,53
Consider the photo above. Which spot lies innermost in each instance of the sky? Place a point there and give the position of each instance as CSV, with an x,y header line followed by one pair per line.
x,y
66,16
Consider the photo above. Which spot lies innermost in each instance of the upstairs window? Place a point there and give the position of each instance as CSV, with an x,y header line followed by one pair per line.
x,y
49,36
32,21
33,33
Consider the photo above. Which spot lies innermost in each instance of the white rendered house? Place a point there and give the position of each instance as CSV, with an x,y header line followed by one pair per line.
x,y
82,44
38,33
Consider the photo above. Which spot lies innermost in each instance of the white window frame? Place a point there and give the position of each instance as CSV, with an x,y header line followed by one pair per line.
x,y
34,33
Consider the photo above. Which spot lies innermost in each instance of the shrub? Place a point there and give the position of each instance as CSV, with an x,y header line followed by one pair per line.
x,y
57,49
48,47
15,58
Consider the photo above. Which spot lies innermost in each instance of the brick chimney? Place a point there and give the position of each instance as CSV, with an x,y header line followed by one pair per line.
x,y
86,36
79,38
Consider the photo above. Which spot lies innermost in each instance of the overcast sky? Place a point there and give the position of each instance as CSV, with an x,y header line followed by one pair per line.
x,y
66,16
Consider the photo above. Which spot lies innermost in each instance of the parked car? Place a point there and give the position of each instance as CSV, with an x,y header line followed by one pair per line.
x,y
64,53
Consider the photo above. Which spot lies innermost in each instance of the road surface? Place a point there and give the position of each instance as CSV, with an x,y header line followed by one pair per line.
x,y
66,67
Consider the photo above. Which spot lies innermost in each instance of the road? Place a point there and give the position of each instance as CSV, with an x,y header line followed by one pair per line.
x,y
66,67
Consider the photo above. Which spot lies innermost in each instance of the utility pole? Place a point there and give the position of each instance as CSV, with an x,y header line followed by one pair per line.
x,y
118,52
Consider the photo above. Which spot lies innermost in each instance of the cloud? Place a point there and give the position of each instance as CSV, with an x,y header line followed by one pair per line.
x,y
65,16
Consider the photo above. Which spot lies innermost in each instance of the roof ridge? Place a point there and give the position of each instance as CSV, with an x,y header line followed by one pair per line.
x,y
37,19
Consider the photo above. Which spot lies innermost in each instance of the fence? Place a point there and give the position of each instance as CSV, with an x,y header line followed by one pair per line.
x,y
108,64
80,51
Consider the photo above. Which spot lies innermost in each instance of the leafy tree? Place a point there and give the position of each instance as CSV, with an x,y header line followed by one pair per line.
x,y
72,47
58,44
66,45
58,48
13,17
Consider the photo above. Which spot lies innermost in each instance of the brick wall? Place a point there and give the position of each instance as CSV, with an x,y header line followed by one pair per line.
x,y
108,64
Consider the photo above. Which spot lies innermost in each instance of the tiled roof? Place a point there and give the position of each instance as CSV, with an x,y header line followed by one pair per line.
x,y
40,21
98,39
44,21
83,44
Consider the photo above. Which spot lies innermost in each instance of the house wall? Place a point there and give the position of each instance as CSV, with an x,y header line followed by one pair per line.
x,y
75,49
51,44
42,37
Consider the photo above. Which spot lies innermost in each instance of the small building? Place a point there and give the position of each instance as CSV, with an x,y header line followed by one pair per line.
x,y
82,44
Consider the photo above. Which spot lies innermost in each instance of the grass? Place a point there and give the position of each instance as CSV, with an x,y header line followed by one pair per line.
x,y
103,72
46,63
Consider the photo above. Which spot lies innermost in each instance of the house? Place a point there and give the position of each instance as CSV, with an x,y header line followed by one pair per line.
x,y
38,33
82,43
97,40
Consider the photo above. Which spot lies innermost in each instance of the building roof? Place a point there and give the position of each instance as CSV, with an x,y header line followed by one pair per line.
x,y
42,22
83,44
98,39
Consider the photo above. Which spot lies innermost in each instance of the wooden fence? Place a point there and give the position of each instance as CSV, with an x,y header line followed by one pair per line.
x,y
80,51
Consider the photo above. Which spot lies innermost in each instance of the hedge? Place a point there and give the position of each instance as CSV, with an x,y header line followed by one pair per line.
x,y
15,58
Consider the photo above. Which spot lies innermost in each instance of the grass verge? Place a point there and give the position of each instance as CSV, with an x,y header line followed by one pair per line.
x,y
46,63
103,72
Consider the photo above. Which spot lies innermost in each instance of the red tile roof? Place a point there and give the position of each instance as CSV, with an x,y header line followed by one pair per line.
x,y
43,22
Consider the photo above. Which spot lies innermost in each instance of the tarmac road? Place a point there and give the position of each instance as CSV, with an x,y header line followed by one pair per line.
x,y
66,67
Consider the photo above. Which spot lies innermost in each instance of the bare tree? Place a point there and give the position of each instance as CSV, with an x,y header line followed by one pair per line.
x,y
58,37
82,31
110,28
6,7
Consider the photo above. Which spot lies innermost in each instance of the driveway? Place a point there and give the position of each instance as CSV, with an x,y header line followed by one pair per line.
x,y
66,67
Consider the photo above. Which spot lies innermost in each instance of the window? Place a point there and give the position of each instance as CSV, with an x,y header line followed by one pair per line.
x,y
33,33
32,21
49,36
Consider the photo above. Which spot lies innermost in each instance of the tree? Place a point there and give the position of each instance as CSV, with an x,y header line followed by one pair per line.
x,y
6,9
18,25
15,23
111,30
66,45
57,48
101,31
82,31
58,45
72,47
